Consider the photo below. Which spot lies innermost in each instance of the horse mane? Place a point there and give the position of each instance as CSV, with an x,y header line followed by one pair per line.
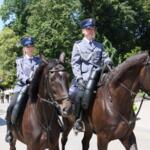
x,y
129,63
34,86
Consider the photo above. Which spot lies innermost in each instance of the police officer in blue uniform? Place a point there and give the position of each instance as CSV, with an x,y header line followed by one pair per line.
x,y
26,66
87,54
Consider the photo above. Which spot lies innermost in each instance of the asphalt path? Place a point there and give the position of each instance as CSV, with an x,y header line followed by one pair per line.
x,y
142,132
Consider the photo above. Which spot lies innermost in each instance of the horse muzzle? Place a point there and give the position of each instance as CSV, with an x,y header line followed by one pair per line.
x,y
66,108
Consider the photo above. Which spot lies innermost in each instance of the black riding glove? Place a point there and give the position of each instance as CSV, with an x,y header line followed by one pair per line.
x,y
81,84
28,81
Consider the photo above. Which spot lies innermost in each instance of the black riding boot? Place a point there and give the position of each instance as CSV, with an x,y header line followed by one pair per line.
x,y
9,136
79,124
19,105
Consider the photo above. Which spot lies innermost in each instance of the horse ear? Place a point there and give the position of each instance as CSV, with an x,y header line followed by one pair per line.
x,y
44,60
62,57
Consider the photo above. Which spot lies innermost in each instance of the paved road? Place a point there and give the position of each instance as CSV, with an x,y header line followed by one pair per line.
x,y
142,132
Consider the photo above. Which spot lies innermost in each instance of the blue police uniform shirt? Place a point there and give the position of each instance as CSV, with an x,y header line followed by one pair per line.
x,y
25,68
86,55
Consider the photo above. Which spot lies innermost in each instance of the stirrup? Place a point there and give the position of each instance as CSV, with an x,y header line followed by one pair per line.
x,y
82,125
9,137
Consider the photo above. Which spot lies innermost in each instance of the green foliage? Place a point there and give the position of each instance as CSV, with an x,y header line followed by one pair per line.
x,y
132,52
53,25
123,25
112,52
8,41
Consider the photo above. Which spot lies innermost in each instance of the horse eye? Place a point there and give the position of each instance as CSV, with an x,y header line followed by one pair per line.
x,y
51,72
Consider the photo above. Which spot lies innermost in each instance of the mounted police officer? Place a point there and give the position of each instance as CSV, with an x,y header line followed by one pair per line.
x,y
26,66
87,54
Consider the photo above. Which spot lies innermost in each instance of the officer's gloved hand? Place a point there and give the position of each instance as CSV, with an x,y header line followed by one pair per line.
x,y
81,84
28,81
109,64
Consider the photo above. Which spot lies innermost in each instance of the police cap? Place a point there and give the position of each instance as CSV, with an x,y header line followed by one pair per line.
x,y
27,41
88,23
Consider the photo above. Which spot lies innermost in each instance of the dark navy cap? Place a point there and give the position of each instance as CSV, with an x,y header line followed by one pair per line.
x,y
27,41
88,23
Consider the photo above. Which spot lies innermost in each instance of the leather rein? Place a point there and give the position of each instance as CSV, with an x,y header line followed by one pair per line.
x,y
53,102
133,94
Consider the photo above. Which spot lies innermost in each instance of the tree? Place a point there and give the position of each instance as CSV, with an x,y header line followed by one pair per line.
x,y
124,22
8,41
15,14
122,25
53,23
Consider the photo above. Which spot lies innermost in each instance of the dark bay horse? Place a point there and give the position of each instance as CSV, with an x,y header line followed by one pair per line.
x,y
40,126
110,115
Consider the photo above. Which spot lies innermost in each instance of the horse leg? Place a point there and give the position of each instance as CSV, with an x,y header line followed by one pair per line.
x,y
86,139
29,148
13,144
2,100
56,147
67,127
34,147
102,143
129,142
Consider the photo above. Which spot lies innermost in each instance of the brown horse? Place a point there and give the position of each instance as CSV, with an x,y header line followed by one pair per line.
x,y
40,126
110,115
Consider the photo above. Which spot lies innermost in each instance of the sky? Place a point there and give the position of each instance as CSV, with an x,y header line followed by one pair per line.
x,y
1,23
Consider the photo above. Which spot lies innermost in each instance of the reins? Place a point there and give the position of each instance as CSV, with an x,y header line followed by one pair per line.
x,y
50,100
129,90
133,117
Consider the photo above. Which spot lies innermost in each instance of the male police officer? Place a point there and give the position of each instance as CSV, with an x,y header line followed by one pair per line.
x,y
86,57
26,66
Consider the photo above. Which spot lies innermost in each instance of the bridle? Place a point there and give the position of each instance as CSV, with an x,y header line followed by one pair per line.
x,y
51,99
133,94
147,66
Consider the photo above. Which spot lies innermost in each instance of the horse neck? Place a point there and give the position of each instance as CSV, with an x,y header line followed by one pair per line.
x,y
44,106
47,116
124,91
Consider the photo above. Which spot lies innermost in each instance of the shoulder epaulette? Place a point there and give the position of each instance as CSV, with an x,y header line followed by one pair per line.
x,y
77,42
37,57
19,58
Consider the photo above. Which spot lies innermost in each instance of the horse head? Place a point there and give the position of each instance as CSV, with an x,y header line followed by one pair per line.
x,y
57,84
50,83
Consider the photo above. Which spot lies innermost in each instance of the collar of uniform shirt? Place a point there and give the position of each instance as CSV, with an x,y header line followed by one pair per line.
x,y
28,57
89,41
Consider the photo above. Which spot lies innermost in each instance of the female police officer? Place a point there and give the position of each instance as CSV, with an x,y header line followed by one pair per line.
x,y
86,57
26,66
